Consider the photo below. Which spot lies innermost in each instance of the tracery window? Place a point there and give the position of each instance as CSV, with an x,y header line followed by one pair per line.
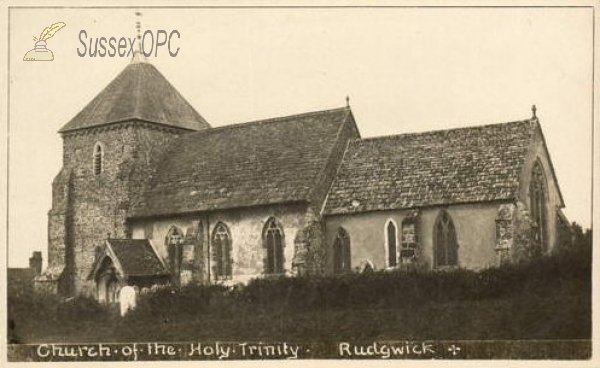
x,y
341,252
221,251
539,215
98,161
444,237
273,242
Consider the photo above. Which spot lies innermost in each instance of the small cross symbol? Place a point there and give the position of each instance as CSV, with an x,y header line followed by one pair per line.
x,y
454,349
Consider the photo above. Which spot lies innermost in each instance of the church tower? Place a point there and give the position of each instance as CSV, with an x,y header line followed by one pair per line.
x,y
110,149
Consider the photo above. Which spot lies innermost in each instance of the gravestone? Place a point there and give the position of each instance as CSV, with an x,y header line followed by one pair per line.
x,y
127,299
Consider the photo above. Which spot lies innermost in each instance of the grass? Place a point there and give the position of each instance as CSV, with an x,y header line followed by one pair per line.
x,y
546,299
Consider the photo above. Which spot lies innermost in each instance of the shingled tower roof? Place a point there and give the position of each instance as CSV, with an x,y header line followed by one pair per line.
x,y
139,92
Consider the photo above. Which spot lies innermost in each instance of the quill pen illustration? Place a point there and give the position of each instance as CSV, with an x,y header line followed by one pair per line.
x,y
50,31
40,52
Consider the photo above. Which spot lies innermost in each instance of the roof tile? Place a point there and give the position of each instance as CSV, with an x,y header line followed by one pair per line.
x,y
137,257
257,163
140,92
440,167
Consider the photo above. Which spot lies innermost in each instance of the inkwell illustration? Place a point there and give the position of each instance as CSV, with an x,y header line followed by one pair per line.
x,y
40,52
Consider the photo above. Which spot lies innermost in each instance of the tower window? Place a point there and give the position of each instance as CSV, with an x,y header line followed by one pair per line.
x,y
98,159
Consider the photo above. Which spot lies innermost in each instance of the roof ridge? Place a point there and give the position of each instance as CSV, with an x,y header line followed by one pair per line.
x,y
303,114
265,121
390,136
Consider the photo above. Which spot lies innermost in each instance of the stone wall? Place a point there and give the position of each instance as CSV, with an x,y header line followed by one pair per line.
x,y
88,208
475,228
538,152
310,254
488,234
246,228
514,235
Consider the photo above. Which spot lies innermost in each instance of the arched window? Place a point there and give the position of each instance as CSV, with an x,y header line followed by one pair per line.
x,y
444,238
539,215
221,252
273,243
391,246
341,252
173,242
98,158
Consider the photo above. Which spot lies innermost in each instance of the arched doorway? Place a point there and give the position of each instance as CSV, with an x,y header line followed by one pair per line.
x,y
107,283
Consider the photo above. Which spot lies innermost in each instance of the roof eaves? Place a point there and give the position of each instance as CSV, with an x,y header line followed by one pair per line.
x,y
160,259
127,120
134,216
335,176
115,259
351,116
336,212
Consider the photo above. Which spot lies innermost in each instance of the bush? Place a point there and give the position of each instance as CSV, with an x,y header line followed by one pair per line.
x,y
416,287
172,303
81,309
504,302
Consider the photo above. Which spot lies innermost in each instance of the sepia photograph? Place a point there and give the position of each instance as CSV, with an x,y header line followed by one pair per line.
x,y
266,182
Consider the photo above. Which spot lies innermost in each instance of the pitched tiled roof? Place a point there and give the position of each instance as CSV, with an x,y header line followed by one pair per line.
x,y
139,92
137,257
263,162
442,167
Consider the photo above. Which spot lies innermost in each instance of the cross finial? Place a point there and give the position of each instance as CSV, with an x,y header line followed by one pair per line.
x,y
347,101
533,111
137,54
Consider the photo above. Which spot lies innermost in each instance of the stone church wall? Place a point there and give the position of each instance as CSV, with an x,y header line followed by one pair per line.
x,y
475,228
539,152
98,204
246,228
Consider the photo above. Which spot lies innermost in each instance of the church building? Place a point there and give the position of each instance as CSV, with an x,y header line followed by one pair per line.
x,y
150,194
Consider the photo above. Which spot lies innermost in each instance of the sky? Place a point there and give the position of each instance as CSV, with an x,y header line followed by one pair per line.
x,y
404,69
